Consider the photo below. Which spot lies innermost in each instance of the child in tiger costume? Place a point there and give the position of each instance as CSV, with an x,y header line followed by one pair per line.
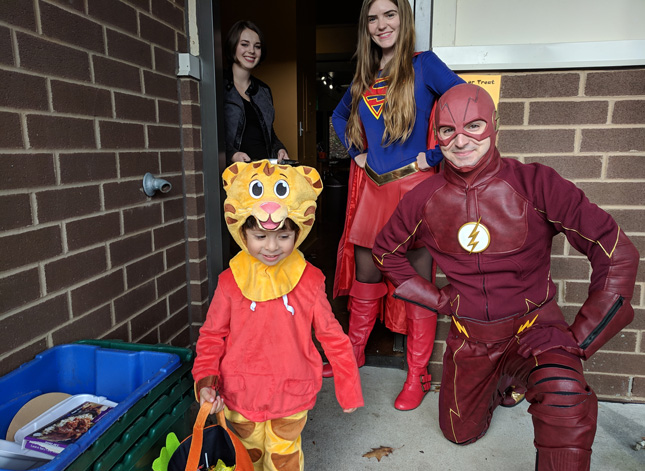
x,y
255,348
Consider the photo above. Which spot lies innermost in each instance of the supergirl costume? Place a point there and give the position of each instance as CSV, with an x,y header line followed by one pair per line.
x,y
256,346
489,227
390,172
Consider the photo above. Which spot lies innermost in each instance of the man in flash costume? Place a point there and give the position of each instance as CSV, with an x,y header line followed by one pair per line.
x,y
489,223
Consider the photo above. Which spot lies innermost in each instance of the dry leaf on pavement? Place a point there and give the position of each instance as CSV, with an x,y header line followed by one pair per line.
x,y
379,452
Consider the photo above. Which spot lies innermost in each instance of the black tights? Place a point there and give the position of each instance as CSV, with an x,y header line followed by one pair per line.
x,y
366,271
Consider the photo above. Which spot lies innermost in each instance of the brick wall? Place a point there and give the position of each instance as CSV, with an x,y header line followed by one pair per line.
x,y
589,125
89,103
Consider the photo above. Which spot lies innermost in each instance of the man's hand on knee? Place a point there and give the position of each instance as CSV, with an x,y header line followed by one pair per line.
x,y
542,339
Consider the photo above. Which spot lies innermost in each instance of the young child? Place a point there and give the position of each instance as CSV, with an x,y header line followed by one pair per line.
x,y
255,347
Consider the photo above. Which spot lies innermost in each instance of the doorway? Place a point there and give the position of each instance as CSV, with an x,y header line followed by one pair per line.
x,y
308,68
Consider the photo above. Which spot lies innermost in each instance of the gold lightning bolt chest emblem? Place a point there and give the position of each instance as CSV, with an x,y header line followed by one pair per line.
x,y
474,237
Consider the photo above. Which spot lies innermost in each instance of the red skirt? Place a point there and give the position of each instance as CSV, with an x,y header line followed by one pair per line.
x,y
376,204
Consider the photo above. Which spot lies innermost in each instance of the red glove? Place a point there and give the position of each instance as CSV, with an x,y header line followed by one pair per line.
x,y
538,340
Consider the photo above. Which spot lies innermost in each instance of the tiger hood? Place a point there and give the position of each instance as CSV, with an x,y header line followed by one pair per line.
x,y
270,193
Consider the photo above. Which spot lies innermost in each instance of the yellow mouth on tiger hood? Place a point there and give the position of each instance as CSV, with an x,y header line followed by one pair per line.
x,y
270,193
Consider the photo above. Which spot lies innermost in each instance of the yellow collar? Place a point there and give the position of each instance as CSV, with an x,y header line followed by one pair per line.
x,y
259,282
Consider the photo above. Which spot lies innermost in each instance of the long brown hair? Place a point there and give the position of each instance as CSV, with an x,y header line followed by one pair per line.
x,y
400,109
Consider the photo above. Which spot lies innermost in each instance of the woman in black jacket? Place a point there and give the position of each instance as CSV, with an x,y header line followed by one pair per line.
x,y
248,104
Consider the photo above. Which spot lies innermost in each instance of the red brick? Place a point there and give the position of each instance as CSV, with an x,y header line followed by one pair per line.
x,y
168,112
540,85
76,4
625,166
23,91
6,48
193,160
118,195
613,140
197,249
29,247
182,43
617,363
511,113
570,268
125,47
572,166
176,255
131,248
52,59
535,141
165,61
135,164
164,137
141,4
116,74
173,209
568,112
55,205
638,387
629,112
192,138
169,13
615,83
189,90
15,212
86,167
116,135
18,289
133,301
151,338
178,300
169,234
65,26
145,269
141,217
79,99
75,268
26,171
159,85
57,132
97,292
18,13
190,114
196,228
22,356
136,108
611,193
622,342
576,292
156,32
171,280
11,130
608,385
41,318
175,323
629,220
147,320
198,271
85,327
115,13
171,162
92,230
194,184
195,205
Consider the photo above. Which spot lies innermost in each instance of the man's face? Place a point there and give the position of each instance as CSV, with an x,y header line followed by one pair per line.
x,y
464,150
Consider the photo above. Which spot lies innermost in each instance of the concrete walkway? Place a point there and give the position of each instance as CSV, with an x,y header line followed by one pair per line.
x,y
334,441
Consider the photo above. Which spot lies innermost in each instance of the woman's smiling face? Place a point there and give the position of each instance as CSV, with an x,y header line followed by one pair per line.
x,y
249,49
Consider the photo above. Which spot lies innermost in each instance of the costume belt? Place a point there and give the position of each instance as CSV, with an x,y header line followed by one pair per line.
x,y
504,329
392,175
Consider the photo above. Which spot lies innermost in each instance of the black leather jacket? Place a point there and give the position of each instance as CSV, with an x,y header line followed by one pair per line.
x,y
235,120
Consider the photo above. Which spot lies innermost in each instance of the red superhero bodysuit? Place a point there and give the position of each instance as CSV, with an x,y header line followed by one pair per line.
x,y
489,226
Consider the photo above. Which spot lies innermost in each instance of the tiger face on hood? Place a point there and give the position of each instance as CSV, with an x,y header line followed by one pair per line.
x,y
271,193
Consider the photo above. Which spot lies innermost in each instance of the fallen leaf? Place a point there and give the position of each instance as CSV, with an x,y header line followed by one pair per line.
x,y
379,452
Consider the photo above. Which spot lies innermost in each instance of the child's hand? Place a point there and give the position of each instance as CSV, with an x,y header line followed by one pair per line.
x,y
210,395
349,411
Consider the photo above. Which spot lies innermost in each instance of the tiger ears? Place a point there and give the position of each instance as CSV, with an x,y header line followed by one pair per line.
x,y
231,172
312,176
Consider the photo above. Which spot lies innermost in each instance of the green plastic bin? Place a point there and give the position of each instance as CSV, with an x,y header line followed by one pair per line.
x,y
133,442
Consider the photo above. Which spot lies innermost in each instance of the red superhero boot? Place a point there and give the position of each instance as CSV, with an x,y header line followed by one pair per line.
x,y
366,302
422,325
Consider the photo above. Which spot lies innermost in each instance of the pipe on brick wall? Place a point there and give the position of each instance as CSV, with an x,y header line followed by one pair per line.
x,y
151,184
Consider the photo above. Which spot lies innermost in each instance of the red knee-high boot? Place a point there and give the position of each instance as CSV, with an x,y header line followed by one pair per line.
x,y
422,325
366,302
